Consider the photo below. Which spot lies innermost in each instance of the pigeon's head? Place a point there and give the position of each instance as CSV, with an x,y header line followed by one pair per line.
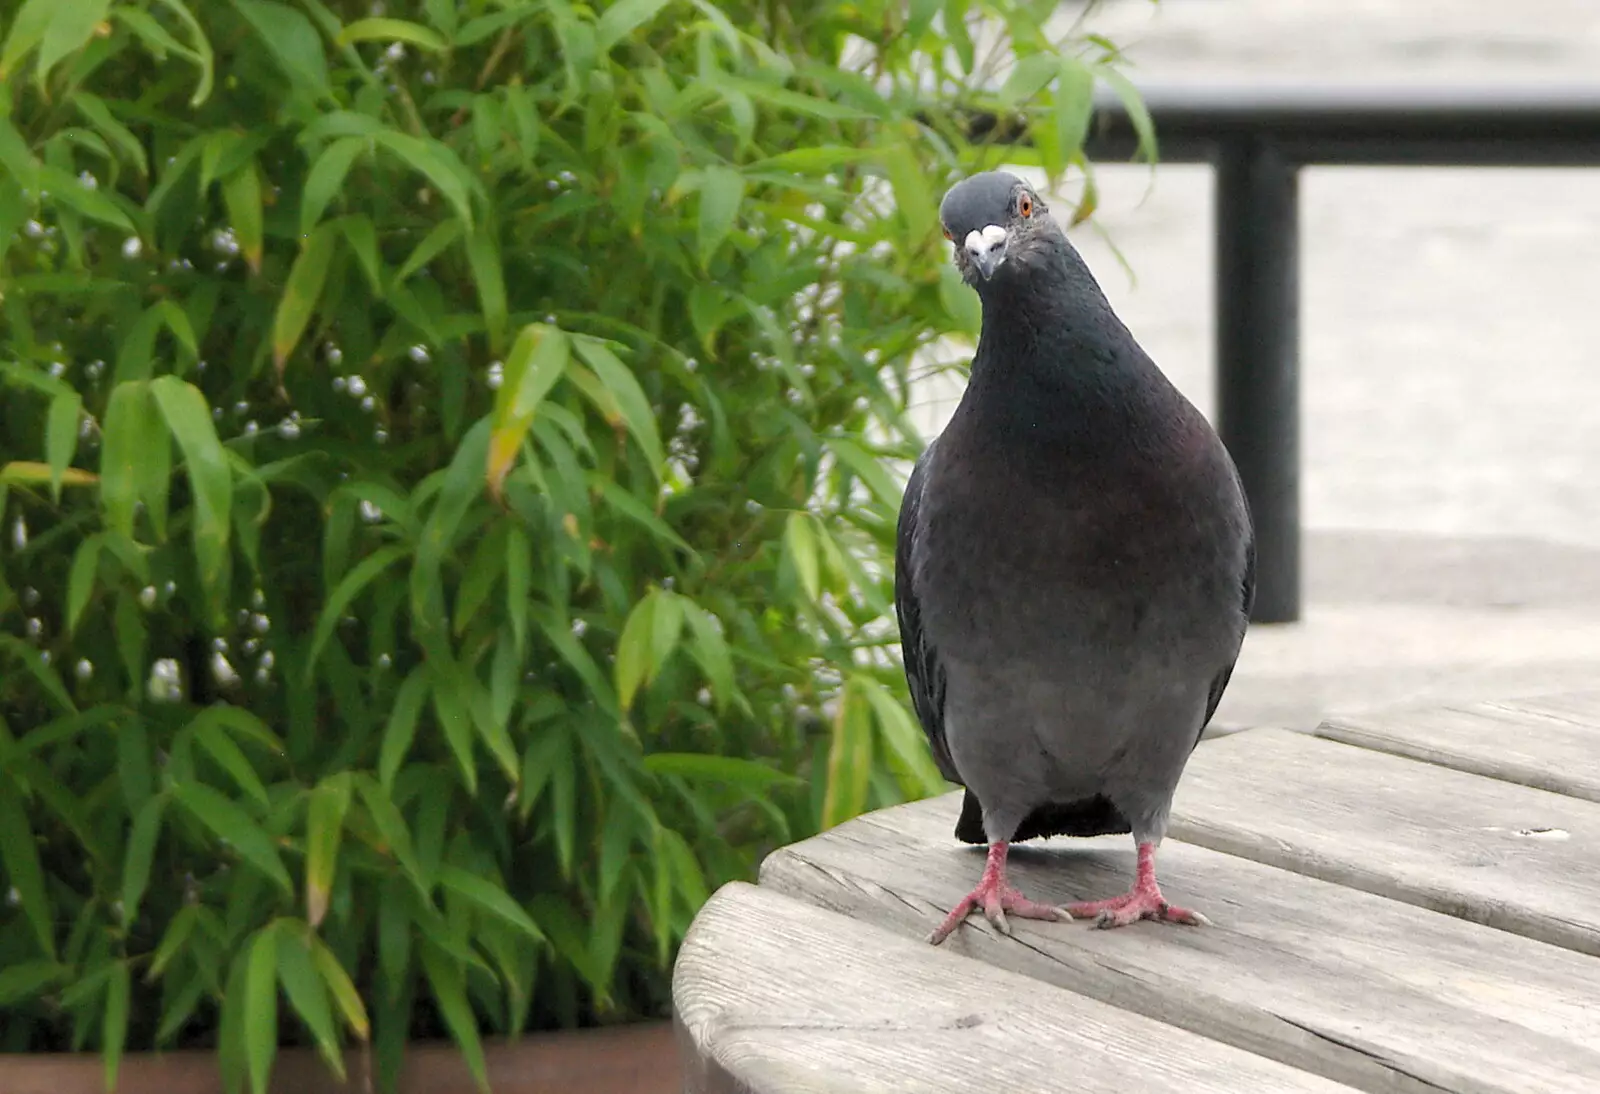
x,y
998,223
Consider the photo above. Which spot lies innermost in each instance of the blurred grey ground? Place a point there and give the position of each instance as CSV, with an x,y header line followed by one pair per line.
x,y
1450,335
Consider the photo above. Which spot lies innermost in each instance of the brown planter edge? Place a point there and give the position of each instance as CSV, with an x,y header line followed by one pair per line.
x,y
640,1058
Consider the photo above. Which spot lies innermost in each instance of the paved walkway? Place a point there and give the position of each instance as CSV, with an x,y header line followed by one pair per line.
x,y
1451,358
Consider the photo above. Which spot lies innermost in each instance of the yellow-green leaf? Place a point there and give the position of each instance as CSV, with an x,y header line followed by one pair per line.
x,y
483,253
241,193
800,544
307,992
721,194
391,30
124,430
227,821
61,437
341,988
632,404
325,178
537,359
324,832
302,291
261,1006
210,480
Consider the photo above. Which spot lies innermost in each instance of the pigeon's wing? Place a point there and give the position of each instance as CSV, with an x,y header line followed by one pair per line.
x,y
1219,684
924,673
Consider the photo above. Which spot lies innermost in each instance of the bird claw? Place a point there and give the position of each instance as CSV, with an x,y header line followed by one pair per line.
x,y
1134,906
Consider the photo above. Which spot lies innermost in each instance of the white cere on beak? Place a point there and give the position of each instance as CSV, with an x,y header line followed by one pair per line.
x,y
986,247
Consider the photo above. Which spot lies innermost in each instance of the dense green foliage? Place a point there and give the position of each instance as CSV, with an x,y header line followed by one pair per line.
x,y
442,467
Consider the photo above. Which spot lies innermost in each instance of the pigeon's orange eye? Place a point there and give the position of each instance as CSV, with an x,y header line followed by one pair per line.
x,y
1024,204
947,234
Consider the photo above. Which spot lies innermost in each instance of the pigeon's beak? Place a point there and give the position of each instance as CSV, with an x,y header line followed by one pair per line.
x,y
987,249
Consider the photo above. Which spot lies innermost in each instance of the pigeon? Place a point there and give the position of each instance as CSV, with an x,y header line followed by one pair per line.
x,y
1074,567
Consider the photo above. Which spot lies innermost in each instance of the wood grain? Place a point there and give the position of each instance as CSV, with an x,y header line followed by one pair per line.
x,y
1551,744
1374,993
1506,855
774,996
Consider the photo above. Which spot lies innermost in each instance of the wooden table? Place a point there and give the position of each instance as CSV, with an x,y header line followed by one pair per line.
x,y
1406,902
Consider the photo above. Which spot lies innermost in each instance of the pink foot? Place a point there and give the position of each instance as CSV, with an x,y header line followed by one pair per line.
x,y
995,898
1143,901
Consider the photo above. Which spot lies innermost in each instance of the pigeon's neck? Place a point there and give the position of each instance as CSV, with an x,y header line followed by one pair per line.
x,y
1055,329
1056,367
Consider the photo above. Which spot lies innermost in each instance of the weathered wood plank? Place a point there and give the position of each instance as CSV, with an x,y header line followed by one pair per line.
x,y
1377,994
1551,744
775,996
1492,852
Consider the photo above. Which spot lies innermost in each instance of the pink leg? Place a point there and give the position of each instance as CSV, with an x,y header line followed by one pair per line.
x,y
995,898
1143,901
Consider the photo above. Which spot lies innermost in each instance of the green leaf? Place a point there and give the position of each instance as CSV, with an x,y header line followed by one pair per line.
x,y
302,291
28,29
800,547
141,853
633,649
210,735
721,194
912,197
1133,103
325,179
402,727
324,832
1029,77
20,854
227,821
538,358
849,758
437,163
960,303
559,634
711,651
433,244
483,253
39,669
292,41
362,236
451,707
519,580
392,829
341,988
114,1024
449,986
241,193
489,898
622,18
125,431
1074,105
61,437
904,737
178,932
391,30
632,403
95,111
308,994
210,480
350,586
81,579
869,469
27,980
94,204
751,776
261,1006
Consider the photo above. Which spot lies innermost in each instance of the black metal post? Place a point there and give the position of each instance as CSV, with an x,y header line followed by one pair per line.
x,y
1258,351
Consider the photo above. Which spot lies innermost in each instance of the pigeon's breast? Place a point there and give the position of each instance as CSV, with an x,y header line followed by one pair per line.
x,y
1054,556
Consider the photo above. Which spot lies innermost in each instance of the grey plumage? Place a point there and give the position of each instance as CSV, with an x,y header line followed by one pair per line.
x,y
1075,562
